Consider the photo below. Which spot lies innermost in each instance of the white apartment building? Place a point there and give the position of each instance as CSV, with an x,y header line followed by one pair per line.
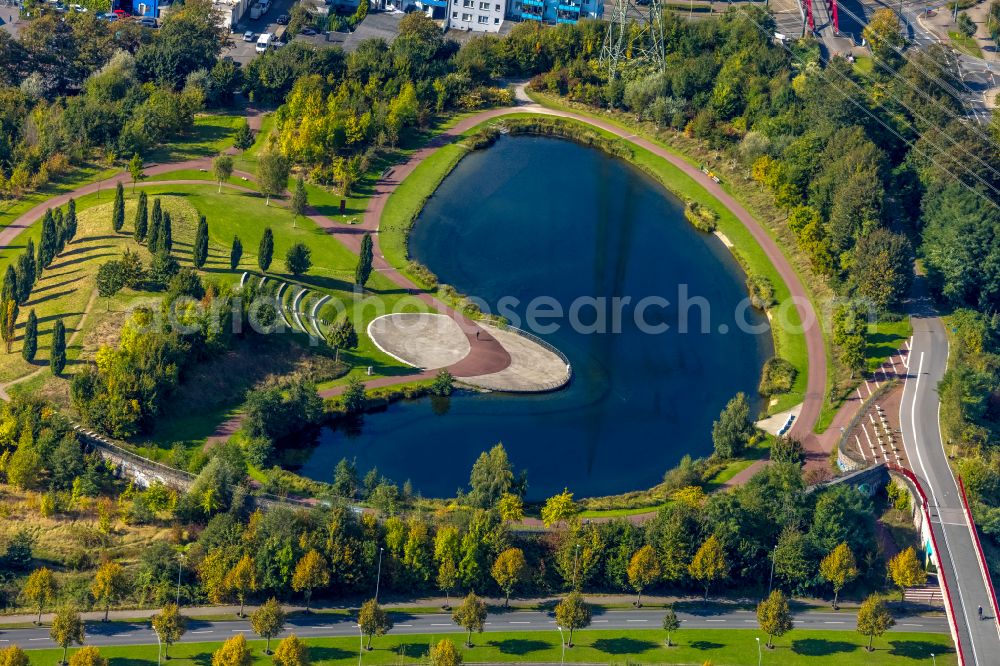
x,y
476,15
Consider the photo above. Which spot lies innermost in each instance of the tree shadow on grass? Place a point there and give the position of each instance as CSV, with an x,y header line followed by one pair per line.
x,y
818,647
706,645
328,654
917,649
519,646
623,645
129,661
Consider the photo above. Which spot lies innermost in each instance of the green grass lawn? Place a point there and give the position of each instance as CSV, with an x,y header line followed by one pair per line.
x,y
885,338
719,646
211,134
864,65
967,45
408,199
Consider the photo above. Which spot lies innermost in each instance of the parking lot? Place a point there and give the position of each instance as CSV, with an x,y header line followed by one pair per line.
x,y
243,52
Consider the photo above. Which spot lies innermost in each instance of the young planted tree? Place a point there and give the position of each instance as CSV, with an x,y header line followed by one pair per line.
x,y
222,167
471,616
643,570
774,616
268,621
12,655
265,251
300,199
373,620
141,225
508,570
135,170
572,613
310,572
291,651
243,138
671,623
30,346
272,174
365,257
298,259
447,578
838,568
47,243
169,625
165,240
234,652
341,335
118,210
235,253
86,656
110,279
57,360
510,506
444,653
906,571
67,628
70,220
874,619
110,586
200,249
709,563
39,590
242,579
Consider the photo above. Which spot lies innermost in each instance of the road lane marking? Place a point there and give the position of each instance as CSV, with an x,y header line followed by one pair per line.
x,y
119,635
910,624
637,620
596,621
207,631
404,625
238,630
440,625
834,622
518,622
38,639
714,620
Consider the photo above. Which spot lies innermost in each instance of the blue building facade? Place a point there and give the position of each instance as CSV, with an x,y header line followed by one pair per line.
x,y
555,11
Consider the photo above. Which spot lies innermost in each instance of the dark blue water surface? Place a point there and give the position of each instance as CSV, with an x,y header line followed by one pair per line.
x,y
545,217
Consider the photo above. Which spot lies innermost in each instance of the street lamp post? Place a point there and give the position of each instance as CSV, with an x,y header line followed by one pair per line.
x,y
159,646
378,576
934,659
361,645
759,655
180,565
562,659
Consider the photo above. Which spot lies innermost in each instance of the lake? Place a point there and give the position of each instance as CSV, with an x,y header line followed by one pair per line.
x,y
537,224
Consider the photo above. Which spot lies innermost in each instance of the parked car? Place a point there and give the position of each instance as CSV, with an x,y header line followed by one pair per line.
x,y
249,36
120,13
284,19
147,22
307,31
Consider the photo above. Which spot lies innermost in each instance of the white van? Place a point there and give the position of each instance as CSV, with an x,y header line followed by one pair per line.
x,y
263,42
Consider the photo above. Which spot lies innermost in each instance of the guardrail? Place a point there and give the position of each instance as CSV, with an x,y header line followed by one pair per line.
x,y
949,606
980,556
847,461
552,386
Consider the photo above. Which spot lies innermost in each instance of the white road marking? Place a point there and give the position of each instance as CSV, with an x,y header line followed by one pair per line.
x,y
637,620
440,625
834,622
404,625
518,622
206,631
596,621
714,620
119,635
235,631
38,639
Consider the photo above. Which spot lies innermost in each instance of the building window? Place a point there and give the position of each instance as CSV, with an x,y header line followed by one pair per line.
x,y
496,21
484,6
467,3
496,8
454,15
466,17
484,19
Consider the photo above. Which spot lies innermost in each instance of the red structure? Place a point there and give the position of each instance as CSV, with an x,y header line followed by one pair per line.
x,y
833,13
809,16
831,8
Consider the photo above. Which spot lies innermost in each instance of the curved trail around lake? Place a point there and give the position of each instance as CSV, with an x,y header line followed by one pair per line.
x,y
487,355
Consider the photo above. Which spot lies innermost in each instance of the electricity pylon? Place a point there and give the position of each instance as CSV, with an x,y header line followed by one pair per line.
x,y
634,37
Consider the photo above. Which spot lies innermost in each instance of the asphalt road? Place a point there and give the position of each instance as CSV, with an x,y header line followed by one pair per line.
x,y
139,633
919,419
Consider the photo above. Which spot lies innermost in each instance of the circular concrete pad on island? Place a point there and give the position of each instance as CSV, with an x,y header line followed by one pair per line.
x,y
533,367
423,340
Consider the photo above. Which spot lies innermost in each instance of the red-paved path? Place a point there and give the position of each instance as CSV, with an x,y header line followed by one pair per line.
x,y
486,352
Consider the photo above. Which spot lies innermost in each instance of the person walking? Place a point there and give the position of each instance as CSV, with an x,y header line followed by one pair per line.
x,y
980,613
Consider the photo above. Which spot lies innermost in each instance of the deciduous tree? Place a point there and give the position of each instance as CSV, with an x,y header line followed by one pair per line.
x,y
508,569
67,628
291,651
709,563
300,199
272,173
643,570
558,507
87,656
135,170
169,625
774,616
671,623
573,613
234,652
906,571
838,568
268,621
110,586
874,619
310,572
373,620
222,167
242,579
12,655
243,138
471,616
110,279
298,259
733,430
444,653
39,590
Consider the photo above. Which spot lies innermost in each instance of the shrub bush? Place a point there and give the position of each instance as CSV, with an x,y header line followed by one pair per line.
x,y
777,377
